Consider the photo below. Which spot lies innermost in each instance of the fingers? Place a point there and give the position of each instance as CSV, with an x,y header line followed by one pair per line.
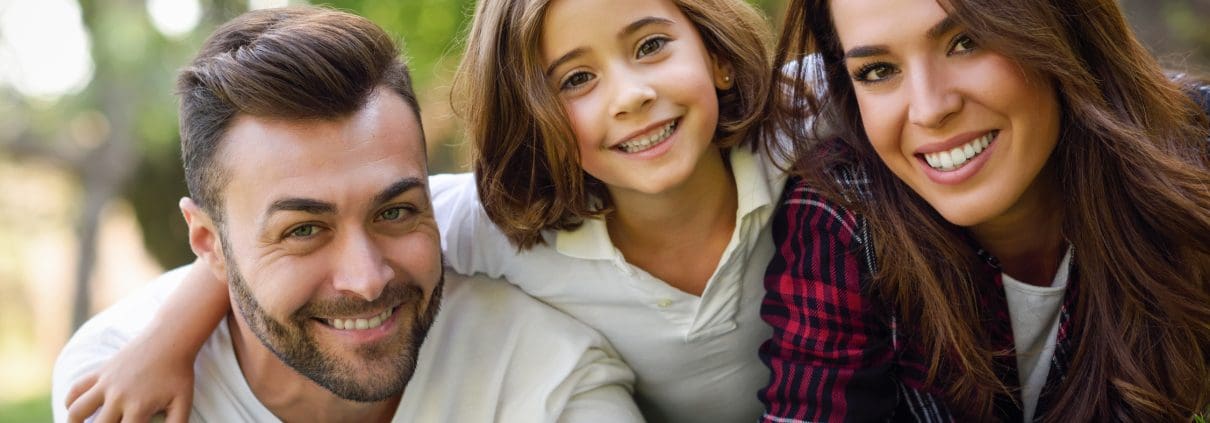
x,y
84,406
110,414
178,410
81,386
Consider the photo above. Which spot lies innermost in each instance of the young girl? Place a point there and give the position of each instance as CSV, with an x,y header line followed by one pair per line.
x,y
1012,225
615,179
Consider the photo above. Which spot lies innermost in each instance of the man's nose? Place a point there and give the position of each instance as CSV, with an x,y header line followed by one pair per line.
x,y
632,93
361,268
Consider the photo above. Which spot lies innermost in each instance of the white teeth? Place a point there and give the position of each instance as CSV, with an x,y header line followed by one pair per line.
x,y
646,142
360,324
956,157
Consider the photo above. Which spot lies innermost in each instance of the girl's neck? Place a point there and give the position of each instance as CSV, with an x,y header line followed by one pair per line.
x,y
678,235
1028,238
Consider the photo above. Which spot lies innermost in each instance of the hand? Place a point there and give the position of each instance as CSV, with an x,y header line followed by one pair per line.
x,y
135,385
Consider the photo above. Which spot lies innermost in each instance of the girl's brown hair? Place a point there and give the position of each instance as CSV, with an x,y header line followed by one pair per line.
x,y
1132,163
526,162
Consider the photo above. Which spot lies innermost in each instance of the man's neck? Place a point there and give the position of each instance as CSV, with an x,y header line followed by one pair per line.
x,y
291,396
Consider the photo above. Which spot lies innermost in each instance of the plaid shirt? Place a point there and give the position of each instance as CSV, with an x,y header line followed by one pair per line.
x,y
837,353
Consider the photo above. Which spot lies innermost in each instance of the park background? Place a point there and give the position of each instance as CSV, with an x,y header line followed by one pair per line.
x,y
89,149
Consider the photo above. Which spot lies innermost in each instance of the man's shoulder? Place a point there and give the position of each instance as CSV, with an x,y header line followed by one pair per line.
x,y
495,353
482,303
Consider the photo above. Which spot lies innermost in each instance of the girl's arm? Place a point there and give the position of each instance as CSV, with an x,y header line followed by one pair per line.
x,y
154,372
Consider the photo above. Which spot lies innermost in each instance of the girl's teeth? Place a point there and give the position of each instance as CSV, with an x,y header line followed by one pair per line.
x,y
956,157
361,324
648,141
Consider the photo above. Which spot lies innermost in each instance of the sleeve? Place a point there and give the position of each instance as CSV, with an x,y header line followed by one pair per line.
x,y
830,353
599,390
471,243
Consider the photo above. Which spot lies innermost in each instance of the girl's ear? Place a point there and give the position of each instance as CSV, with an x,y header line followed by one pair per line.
x,y
723,78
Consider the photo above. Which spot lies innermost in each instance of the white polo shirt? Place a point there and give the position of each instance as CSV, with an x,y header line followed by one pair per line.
x,y
493,355
695,357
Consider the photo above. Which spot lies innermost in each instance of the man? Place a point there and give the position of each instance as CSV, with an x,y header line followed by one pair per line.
x,y
306,167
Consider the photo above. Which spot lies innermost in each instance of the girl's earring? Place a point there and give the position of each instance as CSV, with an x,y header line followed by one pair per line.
x,y
726,83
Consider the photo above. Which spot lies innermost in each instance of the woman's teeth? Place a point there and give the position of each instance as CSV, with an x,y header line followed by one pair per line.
x,y
361,324
955,158
648,141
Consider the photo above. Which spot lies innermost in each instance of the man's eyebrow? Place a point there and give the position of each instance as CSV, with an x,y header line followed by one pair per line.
x,y
399,187
305,205
936,31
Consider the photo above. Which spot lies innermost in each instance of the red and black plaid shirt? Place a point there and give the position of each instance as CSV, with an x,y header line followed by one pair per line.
x,y
836,353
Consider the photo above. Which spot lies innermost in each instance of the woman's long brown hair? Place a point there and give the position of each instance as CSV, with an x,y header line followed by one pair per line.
x,y
1132,165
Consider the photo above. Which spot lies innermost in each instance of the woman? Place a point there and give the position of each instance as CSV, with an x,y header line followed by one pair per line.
x,y
1013,213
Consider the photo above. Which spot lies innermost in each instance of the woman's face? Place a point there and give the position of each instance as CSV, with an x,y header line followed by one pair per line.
x,y
967,128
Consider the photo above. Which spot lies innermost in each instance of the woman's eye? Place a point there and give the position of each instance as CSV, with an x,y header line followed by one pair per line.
x,y
303,231
874,72
962,44
651,46
576,80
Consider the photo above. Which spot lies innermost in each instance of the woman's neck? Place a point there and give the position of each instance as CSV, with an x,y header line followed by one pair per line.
x,y
678,235
1028,238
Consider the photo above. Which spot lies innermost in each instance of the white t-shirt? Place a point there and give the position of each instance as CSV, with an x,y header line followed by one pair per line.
x,y
1034,311
492,355
695,357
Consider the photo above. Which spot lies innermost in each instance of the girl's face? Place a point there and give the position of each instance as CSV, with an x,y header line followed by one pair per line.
x,y
638,85
965,127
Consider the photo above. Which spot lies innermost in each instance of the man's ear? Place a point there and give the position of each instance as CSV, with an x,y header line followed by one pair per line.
x,y
204,238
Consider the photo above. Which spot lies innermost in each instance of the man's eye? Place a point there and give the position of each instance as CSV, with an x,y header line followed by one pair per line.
x,y
303,231
395,213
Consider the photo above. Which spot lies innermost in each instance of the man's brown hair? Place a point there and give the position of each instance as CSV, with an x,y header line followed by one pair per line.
x,y
298,63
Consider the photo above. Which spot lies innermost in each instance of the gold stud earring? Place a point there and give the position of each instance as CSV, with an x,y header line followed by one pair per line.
x,y
727,79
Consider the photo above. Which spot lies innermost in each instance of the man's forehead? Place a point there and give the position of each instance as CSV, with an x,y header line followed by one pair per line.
x,y
361,153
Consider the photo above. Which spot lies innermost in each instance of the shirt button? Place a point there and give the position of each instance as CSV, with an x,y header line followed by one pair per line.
x,y
664,303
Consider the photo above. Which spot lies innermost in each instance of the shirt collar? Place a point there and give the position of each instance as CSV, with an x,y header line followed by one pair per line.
x,y
755,180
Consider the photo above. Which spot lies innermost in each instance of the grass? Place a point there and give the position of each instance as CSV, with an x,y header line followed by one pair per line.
x,y
32,410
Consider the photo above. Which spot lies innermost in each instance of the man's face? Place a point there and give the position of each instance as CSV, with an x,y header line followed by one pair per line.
x,y
332,250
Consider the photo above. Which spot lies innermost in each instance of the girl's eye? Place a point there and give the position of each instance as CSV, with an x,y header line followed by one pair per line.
x,y
651,46
963,44
576,80
303,231
874,72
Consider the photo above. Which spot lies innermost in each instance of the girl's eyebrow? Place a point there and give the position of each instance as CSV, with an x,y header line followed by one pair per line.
x,y
625,32
639,24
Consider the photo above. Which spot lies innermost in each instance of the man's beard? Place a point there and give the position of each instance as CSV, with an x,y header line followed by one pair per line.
x,y
384,369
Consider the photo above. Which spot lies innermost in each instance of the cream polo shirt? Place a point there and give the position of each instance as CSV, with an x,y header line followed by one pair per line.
x,y
695,357
493,355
